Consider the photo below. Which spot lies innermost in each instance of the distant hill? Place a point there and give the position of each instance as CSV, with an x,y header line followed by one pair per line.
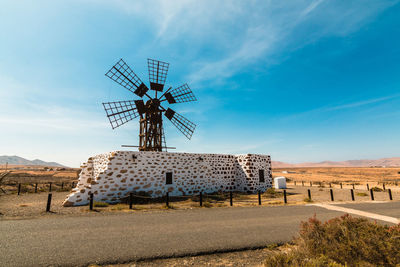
x,y
15,160
385,162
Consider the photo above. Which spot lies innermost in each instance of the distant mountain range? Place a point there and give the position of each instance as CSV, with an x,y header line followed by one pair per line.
x,y
15,160
387,162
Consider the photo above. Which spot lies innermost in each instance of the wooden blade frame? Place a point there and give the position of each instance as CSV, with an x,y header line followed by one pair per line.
x,y
180,95
158,71
123,75
185,126
120,112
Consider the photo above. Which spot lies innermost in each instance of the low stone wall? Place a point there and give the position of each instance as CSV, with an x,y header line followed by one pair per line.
x,y
112,176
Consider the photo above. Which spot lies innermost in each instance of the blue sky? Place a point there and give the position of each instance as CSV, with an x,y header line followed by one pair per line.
x,y
299,80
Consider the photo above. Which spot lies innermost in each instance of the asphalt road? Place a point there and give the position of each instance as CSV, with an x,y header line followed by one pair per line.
x,y
79,241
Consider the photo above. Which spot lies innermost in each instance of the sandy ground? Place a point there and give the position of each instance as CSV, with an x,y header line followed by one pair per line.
x,y
341,174
30,205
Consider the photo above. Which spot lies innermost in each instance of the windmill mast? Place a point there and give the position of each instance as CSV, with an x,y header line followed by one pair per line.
x,y
151,134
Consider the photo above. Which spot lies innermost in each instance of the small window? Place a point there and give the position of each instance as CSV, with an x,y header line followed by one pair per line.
x,y
261,176
168,178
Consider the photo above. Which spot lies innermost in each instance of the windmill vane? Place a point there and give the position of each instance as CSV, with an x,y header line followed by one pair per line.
x,y
149,108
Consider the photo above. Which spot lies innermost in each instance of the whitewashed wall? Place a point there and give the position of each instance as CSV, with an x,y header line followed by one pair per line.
x,y
114,175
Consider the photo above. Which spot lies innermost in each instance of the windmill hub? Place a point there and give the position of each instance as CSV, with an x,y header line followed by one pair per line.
x,y
153,105
151,136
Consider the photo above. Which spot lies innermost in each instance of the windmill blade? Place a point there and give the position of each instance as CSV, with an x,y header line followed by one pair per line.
x,y
184,125
123,75
157,74
180,95
120,112
140,106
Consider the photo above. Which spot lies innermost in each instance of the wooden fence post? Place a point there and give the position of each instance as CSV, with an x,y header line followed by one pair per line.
x,y
284,196
372,194
367,186
201,199
91,201
48,202
36,188
130,200
390,194
231,198
50,186
309,194
167,199
259,198
352,194
19,188
383,185
332,199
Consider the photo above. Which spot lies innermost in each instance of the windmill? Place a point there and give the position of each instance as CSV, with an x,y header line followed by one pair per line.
x,y
149,109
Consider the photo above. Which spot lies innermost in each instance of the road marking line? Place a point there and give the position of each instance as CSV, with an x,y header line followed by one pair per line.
x,y
359,212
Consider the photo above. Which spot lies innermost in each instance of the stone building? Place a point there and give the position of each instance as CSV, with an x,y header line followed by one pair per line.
x,y
112,176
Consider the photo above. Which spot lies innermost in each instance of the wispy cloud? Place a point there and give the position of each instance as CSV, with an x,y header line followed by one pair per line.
x,y
360,103
311,7
256,42
338,107
257,30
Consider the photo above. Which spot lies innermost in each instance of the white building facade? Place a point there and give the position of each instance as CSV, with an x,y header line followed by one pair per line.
x,y
112,176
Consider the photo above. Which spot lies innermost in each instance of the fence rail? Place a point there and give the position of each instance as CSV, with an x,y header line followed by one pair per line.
x,y
37,187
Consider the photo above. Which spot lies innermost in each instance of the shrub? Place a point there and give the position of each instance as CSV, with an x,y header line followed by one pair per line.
x,y
118,207
169,207
362,194
272,193
377,189
99,204
343,241
307,199
274,202
207,204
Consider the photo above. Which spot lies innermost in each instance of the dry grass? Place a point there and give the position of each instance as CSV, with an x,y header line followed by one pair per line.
x,y
39,174
119,207
340,174
100,204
